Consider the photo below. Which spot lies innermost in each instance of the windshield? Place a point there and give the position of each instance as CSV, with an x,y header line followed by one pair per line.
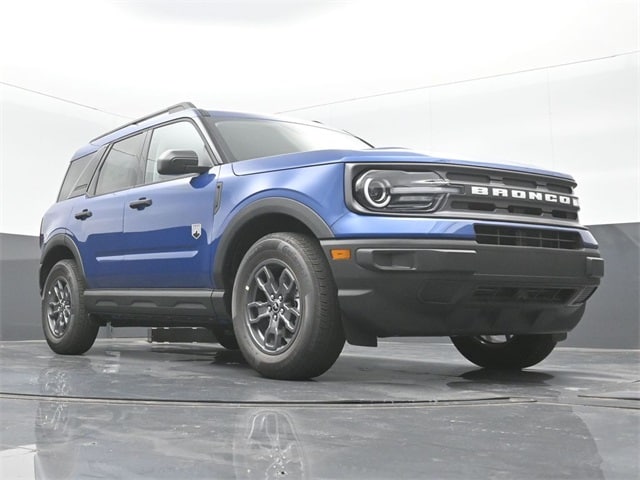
x,y
246,138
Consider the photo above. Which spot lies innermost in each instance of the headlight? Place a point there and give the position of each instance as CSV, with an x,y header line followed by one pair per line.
x,y
376,191
398,190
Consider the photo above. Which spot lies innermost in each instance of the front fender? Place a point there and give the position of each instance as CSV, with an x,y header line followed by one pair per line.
x,y
264,206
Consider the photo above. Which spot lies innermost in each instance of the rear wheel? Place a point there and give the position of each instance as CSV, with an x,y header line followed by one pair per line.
x,y
285,308
505,351
68,328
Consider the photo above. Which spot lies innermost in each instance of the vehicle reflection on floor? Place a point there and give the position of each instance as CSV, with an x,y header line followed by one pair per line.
x,y
266,446
518,429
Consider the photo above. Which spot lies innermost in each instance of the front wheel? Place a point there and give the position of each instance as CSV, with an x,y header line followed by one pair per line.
x,y
285,308
68,328
505,351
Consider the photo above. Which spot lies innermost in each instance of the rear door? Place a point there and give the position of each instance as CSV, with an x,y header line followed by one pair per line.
x,y
168,220
97,218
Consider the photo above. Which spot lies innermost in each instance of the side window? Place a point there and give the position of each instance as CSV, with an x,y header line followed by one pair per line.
x,y
120,168
78,176
175,136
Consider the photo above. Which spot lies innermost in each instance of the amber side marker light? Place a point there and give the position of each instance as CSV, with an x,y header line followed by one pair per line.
x,y
340,253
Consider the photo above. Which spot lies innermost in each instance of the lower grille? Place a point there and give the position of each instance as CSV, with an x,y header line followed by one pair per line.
x,y
527,237
523,295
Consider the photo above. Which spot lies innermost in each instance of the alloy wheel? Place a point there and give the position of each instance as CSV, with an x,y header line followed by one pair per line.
x,y
274,308
494,339
59,307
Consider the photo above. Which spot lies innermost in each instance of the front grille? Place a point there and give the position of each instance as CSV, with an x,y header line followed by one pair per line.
x,y
509,194
554,296
527,237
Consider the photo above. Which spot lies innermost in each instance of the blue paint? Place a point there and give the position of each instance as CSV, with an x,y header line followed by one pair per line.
x,y
122,247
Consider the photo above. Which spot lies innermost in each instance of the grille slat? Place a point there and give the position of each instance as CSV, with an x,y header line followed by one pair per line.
x,y
527,237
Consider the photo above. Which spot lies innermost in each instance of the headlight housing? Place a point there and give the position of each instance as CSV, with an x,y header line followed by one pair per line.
x,y
401,191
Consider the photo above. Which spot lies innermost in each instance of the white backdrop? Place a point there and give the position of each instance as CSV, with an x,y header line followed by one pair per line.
x,y
39,134
546,82
582,119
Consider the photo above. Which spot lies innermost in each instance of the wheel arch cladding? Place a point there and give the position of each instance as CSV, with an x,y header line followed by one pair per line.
x,y
254,222
58,248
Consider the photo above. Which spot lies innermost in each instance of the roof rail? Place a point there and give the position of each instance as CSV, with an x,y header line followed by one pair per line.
x,y
172,109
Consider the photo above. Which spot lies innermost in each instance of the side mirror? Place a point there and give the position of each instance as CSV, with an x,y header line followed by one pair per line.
x,y
179,162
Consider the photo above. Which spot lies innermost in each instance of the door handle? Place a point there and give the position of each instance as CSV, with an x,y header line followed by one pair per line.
x,y
83,215
141,203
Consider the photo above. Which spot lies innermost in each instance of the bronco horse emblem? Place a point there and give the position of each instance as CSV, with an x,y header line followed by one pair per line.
x,y
196,230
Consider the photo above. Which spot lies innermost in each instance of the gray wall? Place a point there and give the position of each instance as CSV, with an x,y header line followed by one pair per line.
x,y
19,295
612,319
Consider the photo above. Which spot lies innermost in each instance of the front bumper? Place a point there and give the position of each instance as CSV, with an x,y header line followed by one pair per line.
x,y
407,287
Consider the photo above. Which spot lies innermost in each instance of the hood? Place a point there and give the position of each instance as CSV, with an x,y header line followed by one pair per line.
x,y
374,155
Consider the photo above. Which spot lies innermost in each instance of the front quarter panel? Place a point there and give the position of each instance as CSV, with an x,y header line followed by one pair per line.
x,y
312,195
319,188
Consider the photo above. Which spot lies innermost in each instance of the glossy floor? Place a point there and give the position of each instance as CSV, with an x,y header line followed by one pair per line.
x,y
129,409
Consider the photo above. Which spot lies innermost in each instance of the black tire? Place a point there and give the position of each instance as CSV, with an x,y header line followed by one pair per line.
x,y
68,328
225,337
514,352
295,332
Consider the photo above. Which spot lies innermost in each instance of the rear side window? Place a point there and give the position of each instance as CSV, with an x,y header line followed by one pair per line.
x,y
120,169
78,176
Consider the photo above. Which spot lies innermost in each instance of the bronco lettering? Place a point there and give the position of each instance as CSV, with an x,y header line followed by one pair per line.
x,y
524,195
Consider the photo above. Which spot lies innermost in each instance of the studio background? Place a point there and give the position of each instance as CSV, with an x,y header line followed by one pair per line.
x,y
547,83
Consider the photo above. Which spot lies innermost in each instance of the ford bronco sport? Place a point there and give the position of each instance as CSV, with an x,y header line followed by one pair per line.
x,y
285,238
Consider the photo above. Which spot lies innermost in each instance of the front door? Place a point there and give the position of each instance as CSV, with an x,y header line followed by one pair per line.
x,y
168,221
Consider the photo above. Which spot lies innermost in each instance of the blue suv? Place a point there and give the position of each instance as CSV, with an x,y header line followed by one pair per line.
x,y
287,238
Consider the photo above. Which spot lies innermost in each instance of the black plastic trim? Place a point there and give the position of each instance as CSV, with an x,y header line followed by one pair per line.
x,y
220,306
59,240
216,206
408,287
156,301
284,206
